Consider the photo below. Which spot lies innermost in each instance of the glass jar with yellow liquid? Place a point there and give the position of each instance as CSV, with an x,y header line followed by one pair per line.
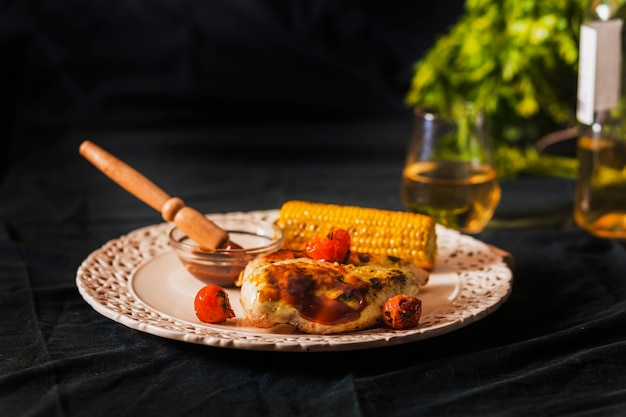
x,y
600,196
448,173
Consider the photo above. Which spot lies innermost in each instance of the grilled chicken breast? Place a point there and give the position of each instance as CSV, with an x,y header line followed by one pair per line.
x,y
324,297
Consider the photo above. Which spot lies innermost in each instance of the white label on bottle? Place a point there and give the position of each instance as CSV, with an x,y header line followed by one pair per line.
x,y
599,68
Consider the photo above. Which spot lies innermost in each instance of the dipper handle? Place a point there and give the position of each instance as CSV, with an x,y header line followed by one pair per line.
x,y
197,226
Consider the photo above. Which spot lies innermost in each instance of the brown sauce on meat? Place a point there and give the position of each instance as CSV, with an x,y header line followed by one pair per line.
x,y
327,296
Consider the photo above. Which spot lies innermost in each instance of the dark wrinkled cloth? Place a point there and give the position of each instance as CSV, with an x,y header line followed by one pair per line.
x,y
554,348
242,105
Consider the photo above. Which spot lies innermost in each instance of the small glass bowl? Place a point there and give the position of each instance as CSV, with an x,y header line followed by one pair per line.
x,y
223,266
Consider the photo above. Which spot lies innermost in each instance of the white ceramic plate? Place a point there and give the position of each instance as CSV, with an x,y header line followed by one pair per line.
x,y
138,281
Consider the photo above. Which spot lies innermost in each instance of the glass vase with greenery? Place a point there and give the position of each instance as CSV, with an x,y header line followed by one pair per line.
x,y
517,60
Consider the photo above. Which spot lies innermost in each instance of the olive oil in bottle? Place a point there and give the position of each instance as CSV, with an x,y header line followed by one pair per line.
x,y
600,195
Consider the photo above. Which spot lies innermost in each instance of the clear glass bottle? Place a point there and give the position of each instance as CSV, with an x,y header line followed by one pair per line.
x,y
600,196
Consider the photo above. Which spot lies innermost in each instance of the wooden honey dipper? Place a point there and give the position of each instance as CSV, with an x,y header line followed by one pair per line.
x,y
197,226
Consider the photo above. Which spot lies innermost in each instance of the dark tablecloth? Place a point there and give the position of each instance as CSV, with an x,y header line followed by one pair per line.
x,y
556,347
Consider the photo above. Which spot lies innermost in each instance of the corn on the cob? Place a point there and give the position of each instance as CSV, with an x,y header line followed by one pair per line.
x,y
404,235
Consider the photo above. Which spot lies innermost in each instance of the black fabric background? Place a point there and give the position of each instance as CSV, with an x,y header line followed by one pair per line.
x,y
200,97
119,63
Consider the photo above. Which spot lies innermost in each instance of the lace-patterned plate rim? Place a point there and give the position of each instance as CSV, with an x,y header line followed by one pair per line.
x,y
105,281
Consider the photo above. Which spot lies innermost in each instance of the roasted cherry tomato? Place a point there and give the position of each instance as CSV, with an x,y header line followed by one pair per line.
x,y
334,247
212,304
402,312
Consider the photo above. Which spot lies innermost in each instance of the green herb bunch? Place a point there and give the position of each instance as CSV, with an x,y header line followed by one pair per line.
x,y
515,59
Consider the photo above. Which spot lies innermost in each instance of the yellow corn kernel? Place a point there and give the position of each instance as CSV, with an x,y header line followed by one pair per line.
x,y
404,235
